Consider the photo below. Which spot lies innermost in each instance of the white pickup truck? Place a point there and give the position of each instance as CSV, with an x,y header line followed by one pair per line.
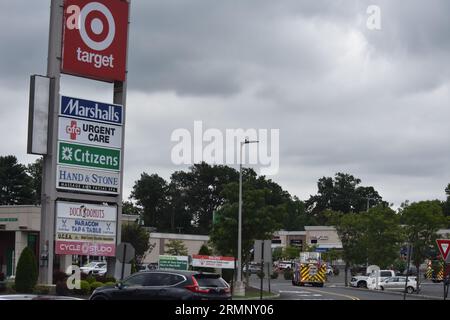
x,y
374,279
369,280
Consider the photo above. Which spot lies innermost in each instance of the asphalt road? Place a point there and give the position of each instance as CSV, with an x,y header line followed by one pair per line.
x,y
335,289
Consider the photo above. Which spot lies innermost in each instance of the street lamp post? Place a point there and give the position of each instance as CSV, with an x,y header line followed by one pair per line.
x,y
239,288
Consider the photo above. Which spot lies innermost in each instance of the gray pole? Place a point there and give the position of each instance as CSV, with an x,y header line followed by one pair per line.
x,y
48,196
239,285
407,270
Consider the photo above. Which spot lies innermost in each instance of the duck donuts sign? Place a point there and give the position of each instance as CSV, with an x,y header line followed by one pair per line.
x,y
95,39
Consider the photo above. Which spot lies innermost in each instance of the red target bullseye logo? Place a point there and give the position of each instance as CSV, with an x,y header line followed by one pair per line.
x,y
97,26
95,39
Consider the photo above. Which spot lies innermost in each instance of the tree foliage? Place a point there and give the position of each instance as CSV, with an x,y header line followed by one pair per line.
x,y
27,272
34,170
176,248
190,200
342,194
15,184
138,237
422,219
262,214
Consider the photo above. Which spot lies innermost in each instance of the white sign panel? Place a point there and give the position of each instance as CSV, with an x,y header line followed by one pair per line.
x,y
90,132
212,262
81,226
92,181
85,211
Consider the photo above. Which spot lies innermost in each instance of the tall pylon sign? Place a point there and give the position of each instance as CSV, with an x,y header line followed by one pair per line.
x,y
81,139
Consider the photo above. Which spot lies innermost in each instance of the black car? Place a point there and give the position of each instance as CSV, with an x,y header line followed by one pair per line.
x,y
166,285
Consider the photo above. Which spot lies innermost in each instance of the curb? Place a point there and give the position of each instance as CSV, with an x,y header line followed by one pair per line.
x,y
275,296
424,297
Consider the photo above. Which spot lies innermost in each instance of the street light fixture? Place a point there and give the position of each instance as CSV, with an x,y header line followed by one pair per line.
x,y
239,288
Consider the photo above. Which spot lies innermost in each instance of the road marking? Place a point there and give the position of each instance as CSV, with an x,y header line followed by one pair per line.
x,y
336,294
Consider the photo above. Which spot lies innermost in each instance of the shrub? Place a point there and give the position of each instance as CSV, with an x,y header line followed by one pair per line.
x,y
260,274
90,279
41,290
61,288
59,276
109,283
84,276
85,288
110,279
27,272
96,284
274,275
288,274
100,278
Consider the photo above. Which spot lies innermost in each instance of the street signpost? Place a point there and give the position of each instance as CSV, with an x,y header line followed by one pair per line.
x,y
263,255
213,262
83,162
173,262
444,249
125,253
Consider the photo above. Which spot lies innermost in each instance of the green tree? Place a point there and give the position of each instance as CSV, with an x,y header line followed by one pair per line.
x,y
351,230
205,250
331,255
15,184
150,193
138,237
446,205
422,219
260,217
277,254
199,193
342,194
34,170
383,236
27,272
176,248
291,252
296,217
128,207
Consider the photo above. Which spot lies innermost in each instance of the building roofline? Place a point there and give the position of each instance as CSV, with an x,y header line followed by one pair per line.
x,y
159,235
317,228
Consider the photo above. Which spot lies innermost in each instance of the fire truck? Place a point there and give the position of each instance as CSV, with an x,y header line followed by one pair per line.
x,y
309,269
435,270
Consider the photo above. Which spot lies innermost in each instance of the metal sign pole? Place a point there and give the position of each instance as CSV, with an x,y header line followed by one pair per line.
x,y
407,271
445,281
48,196
262,270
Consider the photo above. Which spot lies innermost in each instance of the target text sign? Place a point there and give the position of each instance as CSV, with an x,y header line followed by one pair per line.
x,y
95,39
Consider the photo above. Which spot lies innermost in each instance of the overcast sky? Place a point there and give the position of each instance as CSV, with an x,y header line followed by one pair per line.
x,y
373,103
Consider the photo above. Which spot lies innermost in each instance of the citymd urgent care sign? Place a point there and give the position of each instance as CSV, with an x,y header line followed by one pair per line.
x,y
85,229
95,39
92,181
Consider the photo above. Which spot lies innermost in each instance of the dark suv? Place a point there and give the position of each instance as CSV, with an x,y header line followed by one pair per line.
x,y
166,285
